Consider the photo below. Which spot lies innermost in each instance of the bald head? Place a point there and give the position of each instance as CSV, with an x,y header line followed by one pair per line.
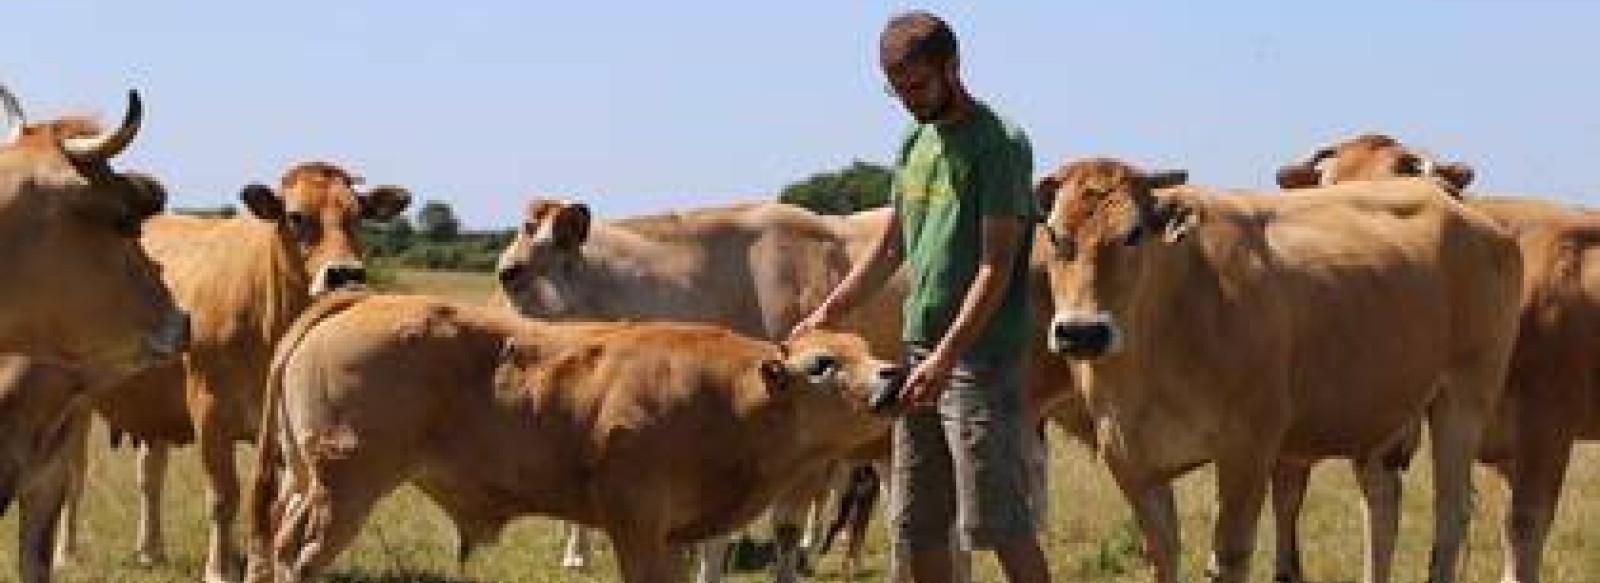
x,y
916,36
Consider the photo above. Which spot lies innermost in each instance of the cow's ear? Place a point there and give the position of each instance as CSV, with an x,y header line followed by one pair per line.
x,y
1298,176
775,374
1457,174
1166,179
262,202
149,196
571,226
384,203
1045,193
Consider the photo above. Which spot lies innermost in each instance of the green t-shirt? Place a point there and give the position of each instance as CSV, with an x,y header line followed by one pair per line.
x,y
946,179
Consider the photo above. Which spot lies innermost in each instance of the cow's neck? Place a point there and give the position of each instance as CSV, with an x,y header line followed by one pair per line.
x,y
251,272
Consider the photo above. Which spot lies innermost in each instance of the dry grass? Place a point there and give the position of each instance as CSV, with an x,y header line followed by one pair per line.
x,y
1088,538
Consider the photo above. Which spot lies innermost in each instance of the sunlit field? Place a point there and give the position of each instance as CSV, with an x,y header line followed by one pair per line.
x,y
1089,536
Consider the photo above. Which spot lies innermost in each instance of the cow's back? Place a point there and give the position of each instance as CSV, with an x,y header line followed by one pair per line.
x,y
1388,286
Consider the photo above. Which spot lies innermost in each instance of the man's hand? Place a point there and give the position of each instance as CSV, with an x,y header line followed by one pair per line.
x,y
928,381
819,318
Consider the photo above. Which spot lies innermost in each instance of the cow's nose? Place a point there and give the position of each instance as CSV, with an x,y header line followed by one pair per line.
x,y
509,275
1081,339
343,275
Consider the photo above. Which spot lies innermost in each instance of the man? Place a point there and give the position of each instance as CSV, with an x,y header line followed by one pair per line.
x,y
963,221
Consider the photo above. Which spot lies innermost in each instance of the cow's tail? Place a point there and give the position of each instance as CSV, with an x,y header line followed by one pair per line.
x,y
269,453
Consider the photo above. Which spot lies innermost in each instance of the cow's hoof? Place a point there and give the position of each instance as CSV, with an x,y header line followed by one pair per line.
x,y
64,560
575,562
150,559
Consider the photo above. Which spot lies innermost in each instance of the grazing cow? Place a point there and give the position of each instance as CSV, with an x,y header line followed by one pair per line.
x,y
1245,330
659,434
1552,394
40,403
244,279
77,287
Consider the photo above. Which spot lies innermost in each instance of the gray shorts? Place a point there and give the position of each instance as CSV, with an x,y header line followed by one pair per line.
x,y
962,463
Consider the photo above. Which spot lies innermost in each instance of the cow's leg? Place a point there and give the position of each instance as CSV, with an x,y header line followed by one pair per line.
x,y
786,541
1380,487
834,479
152,479
647,559
1241,492
262,560
576,553
1535,477
41,503
1288,493
713,560
1456,430
75,467
222,479
786,515
1155,513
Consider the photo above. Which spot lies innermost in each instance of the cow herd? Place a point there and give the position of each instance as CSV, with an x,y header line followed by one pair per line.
x,y
635,376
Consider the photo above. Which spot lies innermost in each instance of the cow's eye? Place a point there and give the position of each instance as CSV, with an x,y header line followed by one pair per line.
x,y
302,227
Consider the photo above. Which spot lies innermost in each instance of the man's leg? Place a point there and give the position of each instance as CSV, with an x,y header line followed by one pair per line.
x,y
989,439
922,498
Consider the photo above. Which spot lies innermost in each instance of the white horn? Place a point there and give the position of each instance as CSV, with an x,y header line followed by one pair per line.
x,y
15,119
107,145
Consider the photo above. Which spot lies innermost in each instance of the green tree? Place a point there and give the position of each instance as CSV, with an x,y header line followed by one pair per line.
x,y
857,187
436,221
218,212
387,239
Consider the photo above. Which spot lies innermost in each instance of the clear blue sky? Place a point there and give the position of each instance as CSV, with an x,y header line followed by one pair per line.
x,y
643,106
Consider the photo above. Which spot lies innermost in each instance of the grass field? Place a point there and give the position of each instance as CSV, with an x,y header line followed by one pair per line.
x,y
1089,536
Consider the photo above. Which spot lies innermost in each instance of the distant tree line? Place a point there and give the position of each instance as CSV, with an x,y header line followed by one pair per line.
x,y
857,187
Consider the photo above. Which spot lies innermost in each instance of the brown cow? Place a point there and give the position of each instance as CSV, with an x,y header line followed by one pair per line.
x,y
244,279
77,288
755,267
40,404
659,434
1552,394
83,304
1244,330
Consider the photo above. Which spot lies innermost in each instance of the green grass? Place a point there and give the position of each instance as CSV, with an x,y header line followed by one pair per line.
x,y
1088,537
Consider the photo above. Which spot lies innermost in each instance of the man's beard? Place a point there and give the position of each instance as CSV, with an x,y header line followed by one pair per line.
x,y
939,111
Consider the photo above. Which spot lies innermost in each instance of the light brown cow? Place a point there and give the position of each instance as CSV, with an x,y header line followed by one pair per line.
x,y
1552,392
659,434
244,279
756,267
40,404
1245,329
77,288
